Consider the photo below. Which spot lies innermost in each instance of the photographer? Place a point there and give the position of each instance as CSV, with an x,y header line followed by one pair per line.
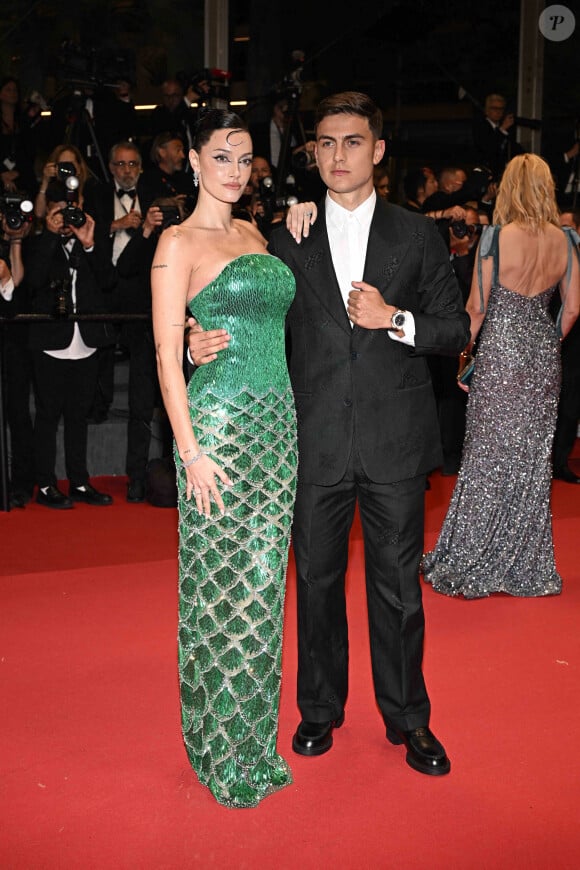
x,y
64,161
17,385
494,141
452,402
118,208
16,143
165,175
67,271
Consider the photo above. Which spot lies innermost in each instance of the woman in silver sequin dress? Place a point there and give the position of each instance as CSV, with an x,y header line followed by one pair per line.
x,y
497,535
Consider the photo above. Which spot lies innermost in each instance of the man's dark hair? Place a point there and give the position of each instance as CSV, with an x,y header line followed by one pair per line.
x,y
160,141
216,119
413,182
351,103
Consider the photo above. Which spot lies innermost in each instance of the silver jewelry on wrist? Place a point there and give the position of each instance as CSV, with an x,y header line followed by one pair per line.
x,y
193,458
398,319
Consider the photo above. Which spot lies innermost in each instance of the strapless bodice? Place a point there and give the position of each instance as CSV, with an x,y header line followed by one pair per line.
x,y
249,298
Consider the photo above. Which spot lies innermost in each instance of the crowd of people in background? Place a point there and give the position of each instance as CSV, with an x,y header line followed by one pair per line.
x,y
83,199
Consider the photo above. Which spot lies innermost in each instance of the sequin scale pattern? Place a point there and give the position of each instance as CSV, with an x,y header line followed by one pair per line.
x,y
497,534
232,569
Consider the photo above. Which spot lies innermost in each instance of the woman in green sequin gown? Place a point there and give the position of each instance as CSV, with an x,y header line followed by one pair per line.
x,y
235,436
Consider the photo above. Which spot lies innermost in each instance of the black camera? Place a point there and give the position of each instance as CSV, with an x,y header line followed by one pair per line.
x,y
171,216
17,210
72,215
460,229
65,170
270,202
303,159
62,297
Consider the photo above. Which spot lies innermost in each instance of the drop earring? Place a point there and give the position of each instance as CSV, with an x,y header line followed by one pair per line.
x,y
195,178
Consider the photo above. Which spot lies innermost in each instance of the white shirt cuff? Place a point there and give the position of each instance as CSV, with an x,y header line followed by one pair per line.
x,y
7,290
409,336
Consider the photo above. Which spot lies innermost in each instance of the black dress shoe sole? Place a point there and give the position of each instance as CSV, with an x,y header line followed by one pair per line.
x,y
430,770
321,747
420,766
64,506
92,502
135,499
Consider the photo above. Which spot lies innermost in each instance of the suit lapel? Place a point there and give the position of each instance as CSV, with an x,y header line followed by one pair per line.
x,y
319,273
386,250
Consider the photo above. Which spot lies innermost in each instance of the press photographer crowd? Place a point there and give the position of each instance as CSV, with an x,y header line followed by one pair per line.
x,y
83,200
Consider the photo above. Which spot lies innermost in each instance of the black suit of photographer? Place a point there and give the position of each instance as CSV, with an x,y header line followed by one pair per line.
x,y
65,387
492,147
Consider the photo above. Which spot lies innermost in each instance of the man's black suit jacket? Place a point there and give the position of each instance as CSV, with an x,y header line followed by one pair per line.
x,y
45,262
132,294
353,380
492,147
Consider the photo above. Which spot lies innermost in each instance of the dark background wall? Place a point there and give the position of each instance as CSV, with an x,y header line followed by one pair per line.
x,y
428,63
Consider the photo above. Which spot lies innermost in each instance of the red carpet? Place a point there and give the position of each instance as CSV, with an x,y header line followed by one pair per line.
x,y
92,770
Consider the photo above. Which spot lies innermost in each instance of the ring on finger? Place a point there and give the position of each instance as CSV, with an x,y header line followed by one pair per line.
x,y
308,214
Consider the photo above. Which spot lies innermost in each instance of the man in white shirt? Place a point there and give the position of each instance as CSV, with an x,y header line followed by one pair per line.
x,y
66,271
375,293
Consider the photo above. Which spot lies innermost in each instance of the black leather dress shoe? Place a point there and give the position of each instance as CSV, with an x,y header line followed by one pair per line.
x,y
19,498
52,497
424,752
89,495
566,475
136,491
315,738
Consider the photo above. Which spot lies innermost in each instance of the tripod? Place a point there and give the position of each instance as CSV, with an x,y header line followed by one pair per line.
x,y
79,121
294,131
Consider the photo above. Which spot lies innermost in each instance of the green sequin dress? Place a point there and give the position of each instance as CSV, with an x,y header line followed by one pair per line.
x,y
232,569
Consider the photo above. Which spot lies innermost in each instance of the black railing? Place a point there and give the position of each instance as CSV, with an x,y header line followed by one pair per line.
x,y
5,323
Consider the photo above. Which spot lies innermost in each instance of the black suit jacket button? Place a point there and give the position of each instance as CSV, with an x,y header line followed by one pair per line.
x,y
348,403
354,355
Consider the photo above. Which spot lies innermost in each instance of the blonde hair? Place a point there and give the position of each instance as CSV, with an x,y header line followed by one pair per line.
x,y
526,194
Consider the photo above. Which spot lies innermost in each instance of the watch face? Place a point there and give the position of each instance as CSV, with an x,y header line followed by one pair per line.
x,y
399,319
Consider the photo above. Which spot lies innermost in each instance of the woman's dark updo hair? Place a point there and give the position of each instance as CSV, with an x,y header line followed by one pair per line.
x,y
216,119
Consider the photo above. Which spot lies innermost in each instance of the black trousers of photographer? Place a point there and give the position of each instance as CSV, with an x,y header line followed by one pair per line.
x,y
62,388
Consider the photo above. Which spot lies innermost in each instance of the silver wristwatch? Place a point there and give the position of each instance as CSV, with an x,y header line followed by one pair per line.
x,y
398,319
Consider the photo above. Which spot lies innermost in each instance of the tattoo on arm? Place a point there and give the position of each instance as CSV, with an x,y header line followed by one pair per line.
x,y
159,266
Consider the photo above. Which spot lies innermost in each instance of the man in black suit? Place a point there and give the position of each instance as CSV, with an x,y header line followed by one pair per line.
x,y
367,427
165,176
66,269
493,132
120,208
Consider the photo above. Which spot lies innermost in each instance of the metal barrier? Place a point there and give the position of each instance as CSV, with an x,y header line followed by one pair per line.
x,y
36,318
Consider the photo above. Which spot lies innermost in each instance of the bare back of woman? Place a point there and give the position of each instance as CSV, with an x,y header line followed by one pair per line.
x,y
531,262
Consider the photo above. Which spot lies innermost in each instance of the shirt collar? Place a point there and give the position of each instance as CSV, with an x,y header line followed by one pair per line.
x,y
337,216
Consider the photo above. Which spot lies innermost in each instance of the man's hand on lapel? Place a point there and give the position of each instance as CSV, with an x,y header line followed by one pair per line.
x,y
367,308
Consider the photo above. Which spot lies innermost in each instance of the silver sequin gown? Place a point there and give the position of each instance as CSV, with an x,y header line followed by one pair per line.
x,y
497,535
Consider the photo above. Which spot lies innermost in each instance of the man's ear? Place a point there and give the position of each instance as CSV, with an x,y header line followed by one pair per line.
x,y
380,147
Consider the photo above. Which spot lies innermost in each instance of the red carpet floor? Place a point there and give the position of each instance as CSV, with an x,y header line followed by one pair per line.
x,y
92,769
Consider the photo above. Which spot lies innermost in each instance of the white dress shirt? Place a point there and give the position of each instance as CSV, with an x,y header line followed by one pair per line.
x,y
7,290
77,349
348,236
122,205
